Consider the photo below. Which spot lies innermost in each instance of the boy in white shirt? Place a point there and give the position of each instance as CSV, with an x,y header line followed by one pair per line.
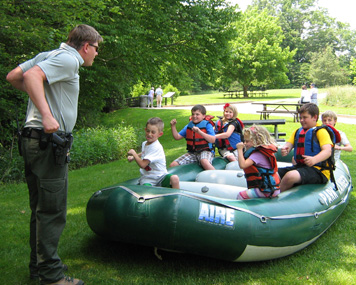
x,y
152,160
330,118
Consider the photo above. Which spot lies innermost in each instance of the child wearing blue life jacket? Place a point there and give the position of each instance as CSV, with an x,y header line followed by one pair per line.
x,y
200,136
228,133
313,147
259,164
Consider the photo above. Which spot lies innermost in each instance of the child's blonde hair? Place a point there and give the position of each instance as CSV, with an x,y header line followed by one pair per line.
x,y
232,108
329,114
259,136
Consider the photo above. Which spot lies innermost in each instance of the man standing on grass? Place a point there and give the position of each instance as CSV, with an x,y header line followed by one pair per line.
x,y
313,94
159,93
51,80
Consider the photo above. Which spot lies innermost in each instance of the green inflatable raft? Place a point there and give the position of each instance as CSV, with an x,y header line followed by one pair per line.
x,y
204,218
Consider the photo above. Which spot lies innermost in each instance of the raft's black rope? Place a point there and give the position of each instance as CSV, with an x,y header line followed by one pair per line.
x,y
262,218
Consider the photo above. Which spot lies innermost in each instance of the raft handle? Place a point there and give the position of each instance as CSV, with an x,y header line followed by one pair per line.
x,y
263,219
316,215
97,193
141,199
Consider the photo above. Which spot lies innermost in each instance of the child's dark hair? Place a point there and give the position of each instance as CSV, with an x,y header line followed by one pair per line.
x,y
200,108
310,108
156,121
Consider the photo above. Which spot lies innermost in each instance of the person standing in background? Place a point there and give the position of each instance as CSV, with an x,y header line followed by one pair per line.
x,y
305,95
51,79
159,93
313,94
151,94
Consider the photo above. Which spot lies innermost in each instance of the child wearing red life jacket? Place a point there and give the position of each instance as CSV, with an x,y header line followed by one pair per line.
x,y
313,147
330,118
200,136
259,164
228,133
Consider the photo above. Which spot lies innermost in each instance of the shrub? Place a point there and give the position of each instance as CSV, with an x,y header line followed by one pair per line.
x,y
11,164
91,146
139,89
100,145
341,96
170,88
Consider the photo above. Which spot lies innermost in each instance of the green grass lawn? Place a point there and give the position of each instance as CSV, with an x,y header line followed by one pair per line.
x,y
330,260
274,94
218,97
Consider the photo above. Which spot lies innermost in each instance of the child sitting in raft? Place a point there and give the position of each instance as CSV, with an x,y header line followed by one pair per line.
x,y
200,136
259,164
311,153
152,160
228,133
330,118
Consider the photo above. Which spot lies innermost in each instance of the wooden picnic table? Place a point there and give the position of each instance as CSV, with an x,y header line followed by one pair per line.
x,y
234,93
274,123
279,108
240,93
257,93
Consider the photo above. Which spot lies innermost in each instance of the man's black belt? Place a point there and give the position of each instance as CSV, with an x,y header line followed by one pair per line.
x,y
32,133
37,133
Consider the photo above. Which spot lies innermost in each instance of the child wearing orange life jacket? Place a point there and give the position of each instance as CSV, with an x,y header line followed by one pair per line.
x,y
200,136
228,133
259,164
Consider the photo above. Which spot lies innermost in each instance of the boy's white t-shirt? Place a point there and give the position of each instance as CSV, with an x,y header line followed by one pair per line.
x,y
344,141
157,167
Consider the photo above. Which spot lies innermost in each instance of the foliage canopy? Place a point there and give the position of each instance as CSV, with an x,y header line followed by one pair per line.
x,y
149,41
256,54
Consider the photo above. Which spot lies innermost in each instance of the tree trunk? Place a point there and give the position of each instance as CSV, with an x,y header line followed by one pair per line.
x,y
245,91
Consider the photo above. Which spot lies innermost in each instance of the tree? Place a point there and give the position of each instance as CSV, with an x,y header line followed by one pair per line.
x,y
145,39
325,69
142,40
256,55
353,69
309,28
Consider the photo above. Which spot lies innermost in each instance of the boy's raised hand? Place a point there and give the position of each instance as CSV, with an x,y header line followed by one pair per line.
x,y
195,129
131,154
173,122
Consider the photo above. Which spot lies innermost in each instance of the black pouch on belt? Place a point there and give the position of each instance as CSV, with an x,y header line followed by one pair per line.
x,y
61,147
